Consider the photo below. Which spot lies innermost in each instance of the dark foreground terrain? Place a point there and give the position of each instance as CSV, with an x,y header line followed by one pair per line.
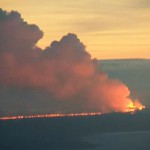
x,y
109,131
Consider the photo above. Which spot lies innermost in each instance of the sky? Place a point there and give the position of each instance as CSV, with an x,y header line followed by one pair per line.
x,y
110,29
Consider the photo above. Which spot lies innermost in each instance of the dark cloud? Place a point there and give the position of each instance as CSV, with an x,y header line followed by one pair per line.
x,y
65,70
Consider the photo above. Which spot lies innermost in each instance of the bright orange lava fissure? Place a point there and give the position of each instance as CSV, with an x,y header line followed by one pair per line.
x,y
131,108
50,116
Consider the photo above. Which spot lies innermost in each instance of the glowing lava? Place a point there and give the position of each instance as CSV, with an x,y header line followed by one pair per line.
x,y
131,108
134,106
50,116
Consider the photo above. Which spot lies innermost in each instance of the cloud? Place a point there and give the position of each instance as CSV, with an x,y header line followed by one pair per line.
x,y
133,72
142,3
112,16
64,69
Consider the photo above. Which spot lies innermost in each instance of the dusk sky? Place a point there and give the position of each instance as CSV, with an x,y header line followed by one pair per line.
x,y
109,29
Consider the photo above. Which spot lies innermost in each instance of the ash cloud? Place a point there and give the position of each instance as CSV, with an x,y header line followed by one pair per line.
x,y
72,80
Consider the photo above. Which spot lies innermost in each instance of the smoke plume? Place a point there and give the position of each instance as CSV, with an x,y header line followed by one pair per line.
x,y
64,69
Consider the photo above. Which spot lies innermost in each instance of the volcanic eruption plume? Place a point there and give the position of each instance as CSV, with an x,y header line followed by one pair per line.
x,y
64,69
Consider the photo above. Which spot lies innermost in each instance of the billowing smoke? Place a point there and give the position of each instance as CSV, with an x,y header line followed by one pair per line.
x,y
64,69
